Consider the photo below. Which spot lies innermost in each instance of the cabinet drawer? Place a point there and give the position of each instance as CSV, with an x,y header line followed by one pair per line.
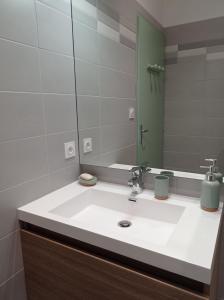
x,y
59,272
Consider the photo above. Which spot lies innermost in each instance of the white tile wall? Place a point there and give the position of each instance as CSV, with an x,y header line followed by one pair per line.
x,y
19,65
61,5
57,73
37,115
25,110
85,41
54,30
106,80
87,75
18,21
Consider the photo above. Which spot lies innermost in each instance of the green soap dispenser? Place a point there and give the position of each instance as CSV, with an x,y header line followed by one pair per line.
x,y
210,194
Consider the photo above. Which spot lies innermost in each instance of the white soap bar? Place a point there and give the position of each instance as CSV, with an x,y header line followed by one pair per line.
x,y
86,176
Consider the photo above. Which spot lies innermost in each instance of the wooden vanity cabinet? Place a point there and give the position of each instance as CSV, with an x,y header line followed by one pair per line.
x,y
56,271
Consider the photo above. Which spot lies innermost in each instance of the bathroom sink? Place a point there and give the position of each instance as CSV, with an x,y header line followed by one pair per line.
x,y
146,220
173,235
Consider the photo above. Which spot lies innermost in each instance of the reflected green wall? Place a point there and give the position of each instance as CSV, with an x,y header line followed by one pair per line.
x,y
150,93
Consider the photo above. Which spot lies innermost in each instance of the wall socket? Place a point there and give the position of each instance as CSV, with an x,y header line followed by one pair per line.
x,y
69,149
87,145
131,113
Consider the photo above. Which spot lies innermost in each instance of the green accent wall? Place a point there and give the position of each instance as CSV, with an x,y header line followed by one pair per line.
x,y
150,93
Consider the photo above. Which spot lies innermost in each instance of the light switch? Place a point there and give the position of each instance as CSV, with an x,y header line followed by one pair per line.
x,y
87,145
131,113
69,149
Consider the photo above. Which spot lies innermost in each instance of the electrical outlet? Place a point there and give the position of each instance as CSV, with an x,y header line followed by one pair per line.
x,y
131,113
69,149
87,145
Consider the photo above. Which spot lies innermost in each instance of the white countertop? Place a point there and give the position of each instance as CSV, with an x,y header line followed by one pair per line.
x,y
188,252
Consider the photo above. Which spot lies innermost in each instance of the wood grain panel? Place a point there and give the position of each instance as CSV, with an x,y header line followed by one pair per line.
x,y
58,272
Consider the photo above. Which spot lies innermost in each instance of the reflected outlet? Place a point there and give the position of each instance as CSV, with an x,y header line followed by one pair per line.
x,y
87,145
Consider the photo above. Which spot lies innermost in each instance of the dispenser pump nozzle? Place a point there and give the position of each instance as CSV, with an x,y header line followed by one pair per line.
x,y
214,163
210,176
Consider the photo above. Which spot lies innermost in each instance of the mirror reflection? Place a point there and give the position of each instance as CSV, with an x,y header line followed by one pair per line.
x,y
149,78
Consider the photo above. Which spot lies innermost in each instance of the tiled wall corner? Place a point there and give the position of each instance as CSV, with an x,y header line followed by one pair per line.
x,y
37,115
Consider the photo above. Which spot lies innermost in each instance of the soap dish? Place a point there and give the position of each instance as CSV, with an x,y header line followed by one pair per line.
x,y
90,182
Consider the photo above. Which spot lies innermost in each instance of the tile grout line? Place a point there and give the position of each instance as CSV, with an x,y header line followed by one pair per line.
x,y
57,10
9,234
11,277
35,47
99,65
106,97
43,99
37,136
22,183
37,93
110,27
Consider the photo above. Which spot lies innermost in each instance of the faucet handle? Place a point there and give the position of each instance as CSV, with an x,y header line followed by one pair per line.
x,y
130,183
145,168
133,171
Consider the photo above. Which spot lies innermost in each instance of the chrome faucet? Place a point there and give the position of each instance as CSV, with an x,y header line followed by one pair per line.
x,y
136,181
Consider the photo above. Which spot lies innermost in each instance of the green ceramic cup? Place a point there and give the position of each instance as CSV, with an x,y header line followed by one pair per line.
x,y
169,174
161,187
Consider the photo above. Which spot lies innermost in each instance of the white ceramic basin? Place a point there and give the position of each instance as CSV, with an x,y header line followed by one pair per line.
x,y
173,235
101,211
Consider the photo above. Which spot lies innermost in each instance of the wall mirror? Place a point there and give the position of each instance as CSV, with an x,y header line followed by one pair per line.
x,y
150,82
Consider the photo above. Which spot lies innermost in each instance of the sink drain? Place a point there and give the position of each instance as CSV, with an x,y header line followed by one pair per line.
x,y
124,224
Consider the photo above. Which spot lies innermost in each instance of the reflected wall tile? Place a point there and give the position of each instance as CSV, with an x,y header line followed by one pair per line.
x,y
116,84
181,109
115,111
93,133
85,12
215,69
87,78
85,42
184,126
61,5
116,56
18,21
185,162
214,89
183,144
57,72
54,30
88,106
117,137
